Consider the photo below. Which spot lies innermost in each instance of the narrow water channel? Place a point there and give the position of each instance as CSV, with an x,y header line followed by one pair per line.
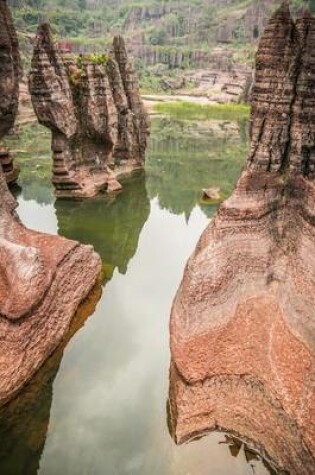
x,y
99,405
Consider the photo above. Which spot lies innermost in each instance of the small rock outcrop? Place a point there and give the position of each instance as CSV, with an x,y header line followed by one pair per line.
x,y
243,322
43,278
93,107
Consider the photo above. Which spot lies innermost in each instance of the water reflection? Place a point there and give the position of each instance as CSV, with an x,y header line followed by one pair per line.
x,y
107,407
183,158
24,422
186,156
111,224
32,150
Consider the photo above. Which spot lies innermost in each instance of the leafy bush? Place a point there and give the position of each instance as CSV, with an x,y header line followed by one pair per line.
x,y
100,59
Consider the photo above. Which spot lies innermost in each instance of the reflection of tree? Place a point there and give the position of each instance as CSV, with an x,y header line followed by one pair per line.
x,y
185,157
111,224
24,421
32,151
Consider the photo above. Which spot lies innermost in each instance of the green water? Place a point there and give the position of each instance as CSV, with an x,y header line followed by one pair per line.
x,y
98,407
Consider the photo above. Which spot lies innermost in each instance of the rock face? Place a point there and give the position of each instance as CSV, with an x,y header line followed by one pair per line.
x,y
243,323
93,107
25,420
9,87
43,278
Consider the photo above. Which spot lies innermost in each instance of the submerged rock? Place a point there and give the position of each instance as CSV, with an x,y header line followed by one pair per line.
x,y
212,194
243,323
93,107
43,278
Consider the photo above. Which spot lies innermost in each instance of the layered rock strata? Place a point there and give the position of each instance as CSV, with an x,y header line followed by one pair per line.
x,y
93,107
243,323
10,169
10,74
43,278
24,421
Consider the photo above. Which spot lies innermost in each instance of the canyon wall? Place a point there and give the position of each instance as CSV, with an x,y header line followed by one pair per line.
x,y
43,278
242,323
93,107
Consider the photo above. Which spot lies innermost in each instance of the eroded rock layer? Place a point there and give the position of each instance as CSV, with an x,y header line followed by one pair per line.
x,y
24,421
243,322
43,278
93,107
9,87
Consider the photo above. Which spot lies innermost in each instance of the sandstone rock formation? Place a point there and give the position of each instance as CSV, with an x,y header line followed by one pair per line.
x,y
243,323
9,167
25,420
93,107
43,278
10,74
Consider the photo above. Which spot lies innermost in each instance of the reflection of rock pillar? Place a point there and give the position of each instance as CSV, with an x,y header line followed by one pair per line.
x,y
112,225
243,322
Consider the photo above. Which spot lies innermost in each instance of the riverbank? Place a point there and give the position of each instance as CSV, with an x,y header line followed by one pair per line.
x,y
173,106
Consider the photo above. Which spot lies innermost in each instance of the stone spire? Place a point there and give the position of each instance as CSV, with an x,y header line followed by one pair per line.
x,y
94,109
283,117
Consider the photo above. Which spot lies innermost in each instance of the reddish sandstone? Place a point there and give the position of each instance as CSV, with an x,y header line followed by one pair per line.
x,y
43,278
93,107
243,324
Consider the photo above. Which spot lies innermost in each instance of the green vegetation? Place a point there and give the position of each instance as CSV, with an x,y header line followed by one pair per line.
x,y
178,34
192,111
100,59
186,156
32,150
166,24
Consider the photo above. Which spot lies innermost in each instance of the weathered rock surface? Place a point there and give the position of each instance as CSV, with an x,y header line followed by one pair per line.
x,y
25,420
94,109
43,278
243,323
10,74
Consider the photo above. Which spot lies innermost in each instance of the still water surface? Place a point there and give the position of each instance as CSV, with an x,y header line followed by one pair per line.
x,y
98,407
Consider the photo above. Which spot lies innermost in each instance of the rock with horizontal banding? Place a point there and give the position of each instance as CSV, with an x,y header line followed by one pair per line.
x,y
43,278
243,322
95,112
